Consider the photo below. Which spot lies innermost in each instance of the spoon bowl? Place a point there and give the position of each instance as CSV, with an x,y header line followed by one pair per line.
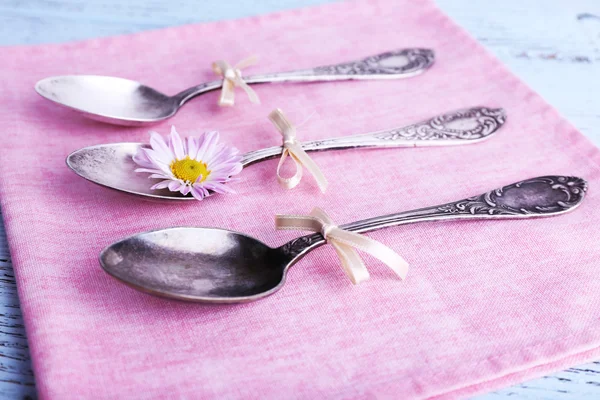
x,y
200,264
109,99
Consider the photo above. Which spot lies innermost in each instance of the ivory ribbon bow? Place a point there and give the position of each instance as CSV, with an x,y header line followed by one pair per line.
x,y
294,149
345,242
232,77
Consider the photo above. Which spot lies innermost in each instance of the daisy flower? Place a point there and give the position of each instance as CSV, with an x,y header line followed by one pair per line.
x,y
197,165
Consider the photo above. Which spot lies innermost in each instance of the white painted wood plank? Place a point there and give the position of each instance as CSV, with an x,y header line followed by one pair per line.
x,y
16,375
553,46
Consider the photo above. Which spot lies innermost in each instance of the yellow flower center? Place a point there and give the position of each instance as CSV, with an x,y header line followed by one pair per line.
x,y
189,170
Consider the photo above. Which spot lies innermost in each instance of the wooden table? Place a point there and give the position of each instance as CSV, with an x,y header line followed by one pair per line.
x,y
554,46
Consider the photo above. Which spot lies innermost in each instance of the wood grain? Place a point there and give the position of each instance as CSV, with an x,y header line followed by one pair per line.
x,y
554,46
16,375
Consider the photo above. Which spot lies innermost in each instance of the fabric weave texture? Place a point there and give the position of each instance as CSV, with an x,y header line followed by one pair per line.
x,y
485,304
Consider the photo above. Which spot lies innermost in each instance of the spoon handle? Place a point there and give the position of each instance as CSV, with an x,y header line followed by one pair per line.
x,y
402,63
396,64
454,128
537,197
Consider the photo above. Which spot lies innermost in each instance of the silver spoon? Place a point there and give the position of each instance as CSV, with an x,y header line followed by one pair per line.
x,y
124,102
111,165
220,266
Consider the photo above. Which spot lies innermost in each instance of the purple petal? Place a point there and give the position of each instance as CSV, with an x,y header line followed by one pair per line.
x,y
217,179
174,186
161,185
185,189
197,193
201,188
159,176
142,160
218,187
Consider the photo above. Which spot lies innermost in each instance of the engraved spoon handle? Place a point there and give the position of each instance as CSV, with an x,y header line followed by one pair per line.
x,y
537,197
454,128
402,63
396,64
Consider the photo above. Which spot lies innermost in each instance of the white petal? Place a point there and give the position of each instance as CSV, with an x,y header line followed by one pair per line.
x,y
159,164
214,156
192,147
150,171
176,144
209,142
158,156
158,143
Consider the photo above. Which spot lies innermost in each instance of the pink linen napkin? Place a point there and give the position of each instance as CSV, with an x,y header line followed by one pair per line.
x,y
485,304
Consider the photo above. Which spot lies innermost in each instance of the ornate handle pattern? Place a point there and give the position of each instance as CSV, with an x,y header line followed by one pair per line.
x,y
536,197
391,65
405,61
453,128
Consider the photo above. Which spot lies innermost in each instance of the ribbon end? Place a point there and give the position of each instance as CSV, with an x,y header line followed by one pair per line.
x,y
323,187
404,272
288,183
226,98
400,267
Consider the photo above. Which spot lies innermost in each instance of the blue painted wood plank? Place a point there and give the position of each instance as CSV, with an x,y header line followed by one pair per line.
x,y
41,21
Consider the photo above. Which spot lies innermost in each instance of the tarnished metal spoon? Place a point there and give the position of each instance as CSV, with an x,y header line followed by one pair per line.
x,y
125,102
221,266
111,165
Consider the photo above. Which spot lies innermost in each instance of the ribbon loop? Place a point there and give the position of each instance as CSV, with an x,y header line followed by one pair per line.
x,y
232,77
294,149
345,242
